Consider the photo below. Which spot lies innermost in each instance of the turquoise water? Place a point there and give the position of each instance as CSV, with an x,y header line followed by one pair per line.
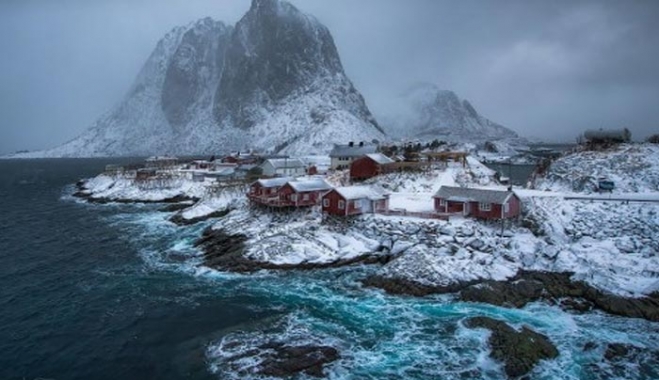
x,y
108,291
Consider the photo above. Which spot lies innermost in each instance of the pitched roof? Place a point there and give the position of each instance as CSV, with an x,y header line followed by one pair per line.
x,y
313,184
466,194
282,163
274,182
361,192
380,158
352,151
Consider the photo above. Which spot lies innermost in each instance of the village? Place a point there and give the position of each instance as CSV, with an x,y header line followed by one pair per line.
x,y
583,237
345,185
439,212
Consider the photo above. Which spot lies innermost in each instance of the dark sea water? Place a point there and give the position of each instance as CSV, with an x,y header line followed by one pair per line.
x,y
115,292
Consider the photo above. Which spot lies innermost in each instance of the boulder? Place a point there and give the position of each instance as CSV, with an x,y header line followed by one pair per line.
x,y
520,351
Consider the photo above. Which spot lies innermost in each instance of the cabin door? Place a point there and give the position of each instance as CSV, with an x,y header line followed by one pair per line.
x,y
367,205
466,209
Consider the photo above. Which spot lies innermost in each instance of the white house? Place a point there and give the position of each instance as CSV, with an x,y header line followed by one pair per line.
x,y
283,167
343,155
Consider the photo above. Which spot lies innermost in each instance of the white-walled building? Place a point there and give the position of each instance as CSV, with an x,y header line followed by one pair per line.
x,y
283,167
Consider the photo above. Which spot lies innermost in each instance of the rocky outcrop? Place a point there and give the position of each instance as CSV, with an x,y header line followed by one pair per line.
x,y
530,286
285,361
520,351
180,220
227,252
401,286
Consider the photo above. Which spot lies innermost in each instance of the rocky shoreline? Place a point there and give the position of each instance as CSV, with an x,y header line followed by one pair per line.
x,y
83,192
223,251
180,220
531,286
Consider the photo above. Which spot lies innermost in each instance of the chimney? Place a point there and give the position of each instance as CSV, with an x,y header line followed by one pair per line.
x,y
361,143
351,144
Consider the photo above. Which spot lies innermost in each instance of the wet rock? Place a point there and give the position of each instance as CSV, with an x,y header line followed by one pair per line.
x,y
174,207
179,220
285,361
589,346
520,351
408,287
530,286
617,351
576,305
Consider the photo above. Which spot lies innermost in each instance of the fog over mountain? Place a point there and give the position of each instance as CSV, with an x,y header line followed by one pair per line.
x,y
273,82
426,112
543,69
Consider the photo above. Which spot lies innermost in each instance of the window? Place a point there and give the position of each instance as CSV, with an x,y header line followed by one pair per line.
x,y
442,202
273,190
325,202
342,205
485,206
294,197
305,197
506,208
357,204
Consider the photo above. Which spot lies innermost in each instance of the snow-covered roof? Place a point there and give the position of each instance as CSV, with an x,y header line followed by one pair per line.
x,y
464,194
281,163
361,192
380,158
314,184
352,151
274,182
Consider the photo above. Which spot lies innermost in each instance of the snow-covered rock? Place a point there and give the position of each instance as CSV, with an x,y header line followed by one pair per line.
x,y
633,167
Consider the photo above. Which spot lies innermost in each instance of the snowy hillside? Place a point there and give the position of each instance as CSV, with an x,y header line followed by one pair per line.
x,y
633,167
273,81
426,112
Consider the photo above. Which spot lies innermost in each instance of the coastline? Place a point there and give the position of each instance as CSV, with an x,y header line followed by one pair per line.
x,y
471,261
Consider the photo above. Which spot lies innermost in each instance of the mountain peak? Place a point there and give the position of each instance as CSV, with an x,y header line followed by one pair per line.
x,y
426,111
273,82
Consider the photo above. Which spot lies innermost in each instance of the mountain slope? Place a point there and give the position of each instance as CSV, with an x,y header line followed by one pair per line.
x,y
283,74
274,82
426,112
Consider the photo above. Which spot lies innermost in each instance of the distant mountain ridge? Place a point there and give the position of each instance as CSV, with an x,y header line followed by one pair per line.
x,y
424,111
274,82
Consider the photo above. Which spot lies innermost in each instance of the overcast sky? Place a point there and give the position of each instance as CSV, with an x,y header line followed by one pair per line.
x,y
546,69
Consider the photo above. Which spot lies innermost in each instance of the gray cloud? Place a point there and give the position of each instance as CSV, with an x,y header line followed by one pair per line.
x,y
544,69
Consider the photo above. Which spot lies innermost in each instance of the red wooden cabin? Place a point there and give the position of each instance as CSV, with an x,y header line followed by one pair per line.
x,y
479,203
370,165
266,191
355,200
303,193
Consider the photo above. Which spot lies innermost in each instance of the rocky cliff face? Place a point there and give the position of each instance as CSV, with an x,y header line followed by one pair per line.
x,y
274,82
426,112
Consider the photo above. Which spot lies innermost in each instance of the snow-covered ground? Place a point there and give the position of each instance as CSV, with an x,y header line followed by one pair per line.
x,y
613,246
119,188
633,168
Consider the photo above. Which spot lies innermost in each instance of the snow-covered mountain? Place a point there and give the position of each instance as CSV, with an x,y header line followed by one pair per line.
x,y
274,81
426,112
